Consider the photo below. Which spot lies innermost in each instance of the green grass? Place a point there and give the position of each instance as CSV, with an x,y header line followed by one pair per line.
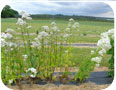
x,y
86,28
80,53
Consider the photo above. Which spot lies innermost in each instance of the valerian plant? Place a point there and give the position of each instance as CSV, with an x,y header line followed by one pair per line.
x,y
104,46
39,57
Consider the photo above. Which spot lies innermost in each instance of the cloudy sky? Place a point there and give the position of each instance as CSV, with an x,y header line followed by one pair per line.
x,y
98,9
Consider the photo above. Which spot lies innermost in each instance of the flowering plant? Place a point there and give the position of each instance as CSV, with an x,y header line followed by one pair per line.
x,y
104,46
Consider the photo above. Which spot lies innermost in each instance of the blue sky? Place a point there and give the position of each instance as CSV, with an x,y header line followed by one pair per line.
x,y
98,9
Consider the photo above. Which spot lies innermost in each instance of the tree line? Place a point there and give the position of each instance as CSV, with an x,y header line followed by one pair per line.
x,y
8,12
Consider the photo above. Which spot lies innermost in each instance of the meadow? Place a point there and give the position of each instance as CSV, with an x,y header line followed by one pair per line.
x,y
88,32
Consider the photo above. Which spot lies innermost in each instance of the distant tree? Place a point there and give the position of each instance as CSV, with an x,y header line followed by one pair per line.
x,y
8,12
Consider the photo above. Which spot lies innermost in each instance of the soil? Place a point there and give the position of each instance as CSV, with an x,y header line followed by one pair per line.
x,y
84,86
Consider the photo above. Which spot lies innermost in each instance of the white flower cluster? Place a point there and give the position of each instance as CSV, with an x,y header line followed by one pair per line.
x,y
9,30
32,72
42,35
54,27
21,21
71,20
53,24
10,81
3,42
36,43
66,35
25,15
73,24
46,28
6,37
104,42
92,51
103,45
97,59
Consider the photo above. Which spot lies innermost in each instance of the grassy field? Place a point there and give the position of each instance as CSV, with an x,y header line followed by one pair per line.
x,y
87,28
89,33
79,54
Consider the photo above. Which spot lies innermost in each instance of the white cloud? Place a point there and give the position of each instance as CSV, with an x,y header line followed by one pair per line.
x,y
107,14
68,8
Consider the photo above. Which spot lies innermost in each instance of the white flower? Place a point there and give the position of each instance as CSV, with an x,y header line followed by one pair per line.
x,y
92,51
6,35
3,42
32,71
68,29
111,32
108,34
46,28
36,39
101,52
33,76
29,27
25,15
21,22
66,35
10,31
42,35
18,28
11,49
11,44
10,81
55,29
74,26
71,20
104,35
53,24
36,44
104,43
97,59
77,24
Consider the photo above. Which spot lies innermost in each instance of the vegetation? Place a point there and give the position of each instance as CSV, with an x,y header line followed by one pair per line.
x,y
7,12
37,56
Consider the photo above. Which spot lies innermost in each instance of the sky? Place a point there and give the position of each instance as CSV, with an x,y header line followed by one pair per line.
x,y
97,9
